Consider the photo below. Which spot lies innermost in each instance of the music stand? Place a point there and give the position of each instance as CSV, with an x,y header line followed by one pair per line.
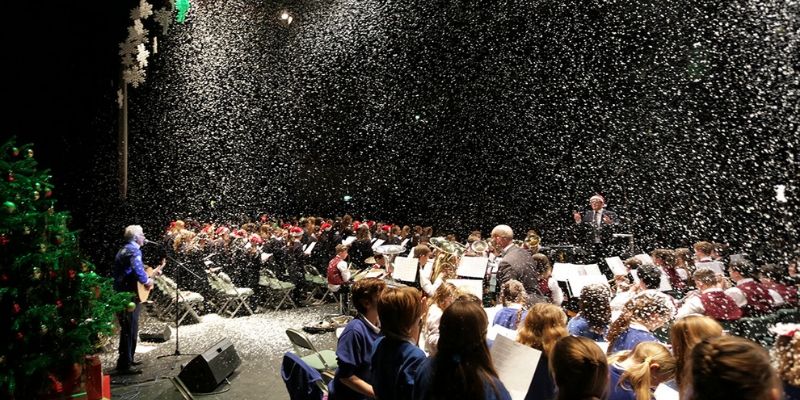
x,y
177,301
628,236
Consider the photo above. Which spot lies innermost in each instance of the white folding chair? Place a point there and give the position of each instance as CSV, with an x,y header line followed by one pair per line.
x,y
284,289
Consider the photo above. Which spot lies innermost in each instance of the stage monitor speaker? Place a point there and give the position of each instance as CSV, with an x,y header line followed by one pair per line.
x,y
206,371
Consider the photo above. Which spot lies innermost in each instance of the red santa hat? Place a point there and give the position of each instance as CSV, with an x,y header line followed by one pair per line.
x,y
598,197
222,230
296,231
356,224
208,229
325,226
370,223
286,226
256,240
387,228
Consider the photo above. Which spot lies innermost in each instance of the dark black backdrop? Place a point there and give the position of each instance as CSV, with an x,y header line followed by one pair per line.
x,y
459,114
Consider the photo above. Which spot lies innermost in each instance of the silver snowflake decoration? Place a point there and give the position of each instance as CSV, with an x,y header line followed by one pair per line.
x,y
127,60
164,18
134,76
142,55
145,9
127,47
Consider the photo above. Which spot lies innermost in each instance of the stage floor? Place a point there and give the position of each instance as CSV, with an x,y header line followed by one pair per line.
x,y
260,340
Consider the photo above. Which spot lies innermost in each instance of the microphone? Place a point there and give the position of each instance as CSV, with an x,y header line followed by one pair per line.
x,y
146,241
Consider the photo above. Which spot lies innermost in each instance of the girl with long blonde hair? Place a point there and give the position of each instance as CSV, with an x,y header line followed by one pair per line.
x,y
635,373
684,334
543,326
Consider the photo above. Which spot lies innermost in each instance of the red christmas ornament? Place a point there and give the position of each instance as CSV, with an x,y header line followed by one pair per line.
x,y
71,274
59,304
3,240
10,176
20,336
48,193
16,308
14,151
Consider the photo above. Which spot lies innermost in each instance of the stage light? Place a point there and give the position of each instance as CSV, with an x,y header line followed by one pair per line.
x,y
286,18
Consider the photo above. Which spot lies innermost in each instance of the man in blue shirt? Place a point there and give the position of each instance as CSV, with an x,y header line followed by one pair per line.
x,y
128,271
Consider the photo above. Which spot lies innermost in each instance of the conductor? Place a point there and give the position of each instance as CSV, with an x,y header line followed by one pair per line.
x,y
596,226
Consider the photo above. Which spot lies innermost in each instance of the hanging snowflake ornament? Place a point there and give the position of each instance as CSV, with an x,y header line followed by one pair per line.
x,y
137,33
142,55
144,10
164,18
133,76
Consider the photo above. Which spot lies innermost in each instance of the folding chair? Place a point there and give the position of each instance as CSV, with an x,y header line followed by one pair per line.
x,y
184,301
284,289
302,381
230,295
319,284
323,361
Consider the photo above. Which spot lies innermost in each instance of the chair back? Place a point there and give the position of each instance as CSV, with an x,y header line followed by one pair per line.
x,y
299,339
309,269
302,381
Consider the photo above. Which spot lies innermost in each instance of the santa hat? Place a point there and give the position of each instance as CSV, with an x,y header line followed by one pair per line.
x,y
370,223
296,231
356,224
598,197
325,226
387,228
256,240
222,230
286,226
208,229
240,233
263,218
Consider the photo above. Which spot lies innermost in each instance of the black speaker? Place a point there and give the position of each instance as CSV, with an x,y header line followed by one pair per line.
x,y
206,371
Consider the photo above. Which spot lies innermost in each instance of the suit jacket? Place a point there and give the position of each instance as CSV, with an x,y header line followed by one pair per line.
x,y
589,217
594,233
517,263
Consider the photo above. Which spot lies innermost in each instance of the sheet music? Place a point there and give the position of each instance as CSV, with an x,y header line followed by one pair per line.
x,y
375,273
405,269
310,248
603,346
474,286
515,364
377,243
500,330
665,391
350,239
403,243
592,269
715,266
577,283
617,266
472,267
265,257
645,259
562,271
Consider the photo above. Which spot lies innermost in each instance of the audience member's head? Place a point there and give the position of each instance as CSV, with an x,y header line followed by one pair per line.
x,y
579,368
732,368
684,334
543,326
542,266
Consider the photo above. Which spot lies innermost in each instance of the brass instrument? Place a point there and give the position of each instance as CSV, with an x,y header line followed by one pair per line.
x,y
448,256
479,246
532,242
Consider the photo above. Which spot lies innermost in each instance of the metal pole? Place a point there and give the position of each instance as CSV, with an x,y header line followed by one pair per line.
x,y
122,148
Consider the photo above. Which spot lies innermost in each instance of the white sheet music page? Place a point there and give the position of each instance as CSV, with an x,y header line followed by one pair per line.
x,y
472,267
403,243
592,269
350,239
310,248
405,269
665,392
377,243
515,364
715,266
474,286
617,266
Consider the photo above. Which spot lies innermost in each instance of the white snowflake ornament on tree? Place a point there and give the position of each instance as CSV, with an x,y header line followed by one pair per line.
x,y
164,18
142,55
133,76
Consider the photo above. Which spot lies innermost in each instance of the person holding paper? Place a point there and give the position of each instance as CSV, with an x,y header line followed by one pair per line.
x,y
543,326
352,379
580,369
462,368
515,263
635,373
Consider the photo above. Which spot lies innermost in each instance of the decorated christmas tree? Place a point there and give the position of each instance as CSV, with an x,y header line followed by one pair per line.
x,y
54,308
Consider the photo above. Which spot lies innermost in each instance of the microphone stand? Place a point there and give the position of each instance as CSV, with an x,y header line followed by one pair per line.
x,y
177,300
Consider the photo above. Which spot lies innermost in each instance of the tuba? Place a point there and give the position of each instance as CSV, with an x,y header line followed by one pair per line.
x,y
447,258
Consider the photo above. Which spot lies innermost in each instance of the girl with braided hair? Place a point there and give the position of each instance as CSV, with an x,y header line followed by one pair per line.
x,y
514,298
635,373
593,319
640,317
732,368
